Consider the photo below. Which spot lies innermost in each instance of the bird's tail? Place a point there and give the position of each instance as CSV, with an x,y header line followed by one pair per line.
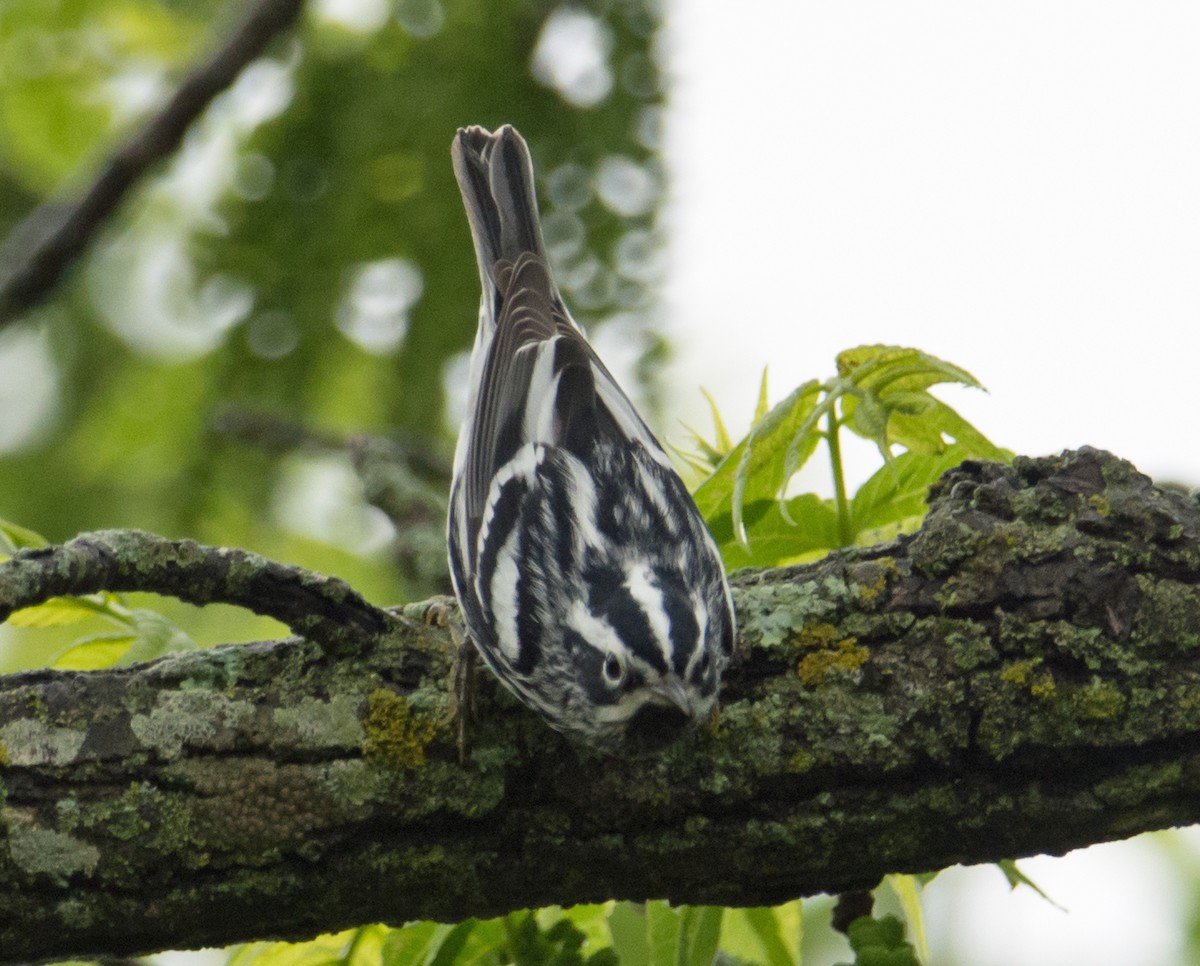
x,y
495,175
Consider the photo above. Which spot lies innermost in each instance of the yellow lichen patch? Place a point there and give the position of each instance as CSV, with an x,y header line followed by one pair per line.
x,y
395,735
1019,672
1043,687
1100,504
3,755
868,592
818,635
844,656
1024,674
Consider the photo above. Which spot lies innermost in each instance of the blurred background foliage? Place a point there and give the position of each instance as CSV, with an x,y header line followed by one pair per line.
x,y
300,269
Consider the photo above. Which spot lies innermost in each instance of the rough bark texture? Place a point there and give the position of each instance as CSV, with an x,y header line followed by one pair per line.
x,y
1022,675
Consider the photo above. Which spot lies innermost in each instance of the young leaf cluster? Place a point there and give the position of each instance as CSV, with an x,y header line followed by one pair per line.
x,y
881,394
646,934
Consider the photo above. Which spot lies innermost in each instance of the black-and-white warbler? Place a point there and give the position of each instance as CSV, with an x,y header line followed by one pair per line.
x,y
585,574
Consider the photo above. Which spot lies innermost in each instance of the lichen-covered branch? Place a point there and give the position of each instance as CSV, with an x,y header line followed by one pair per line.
x,y
1022,675
324,609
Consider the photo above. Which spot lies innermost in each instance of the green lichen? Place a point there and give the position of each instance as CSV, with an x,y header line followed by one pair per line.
x,y
43,851
76,913
396,736
221,668
127,819
969,643
323,724
31,742
1099,503
777,612
1099,701
3,755
1139,783
1092,647
1169,614
187,717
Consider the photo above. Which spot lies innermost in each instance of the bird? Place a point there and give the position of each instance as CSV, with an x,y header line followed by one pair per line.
x,y
587,580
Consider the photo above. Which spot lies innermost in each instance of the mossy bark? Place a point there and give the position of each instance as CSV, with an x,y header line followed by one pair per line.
x,y
1021,675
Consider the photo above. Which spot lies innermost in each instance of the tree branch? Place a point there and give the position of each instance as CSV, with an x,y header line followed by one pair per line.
x,y
49,240
1019,676
324,609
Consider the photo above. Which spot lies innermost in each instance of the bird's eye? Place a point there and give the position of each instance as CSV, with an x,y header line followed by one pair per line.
x,y
614,670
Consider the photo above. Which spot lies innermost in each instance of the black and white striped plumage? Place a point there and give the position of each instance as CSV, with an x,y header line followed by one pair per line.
x,y
586,576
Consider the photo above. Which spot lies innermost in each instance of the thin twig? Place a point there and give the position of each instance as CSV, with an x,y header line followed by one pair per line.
x,y
48,241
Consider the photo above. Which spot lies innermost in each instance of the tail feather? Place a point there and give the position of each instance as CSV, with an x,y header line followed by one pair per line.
x,y
495,175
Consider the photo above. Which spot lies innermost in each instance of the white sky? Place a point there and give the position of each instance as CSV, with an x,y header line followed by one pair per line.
x,y
1012,186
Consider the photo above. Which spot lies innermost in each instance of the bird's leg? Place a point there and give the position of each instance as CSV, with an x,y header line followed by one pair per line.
x,y
463,698
442,612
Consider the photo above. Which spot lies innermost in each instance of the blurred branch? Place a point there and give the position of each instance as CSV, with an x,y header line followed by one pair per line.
x,y
48,241
324,609
279,434
406,478
1019,676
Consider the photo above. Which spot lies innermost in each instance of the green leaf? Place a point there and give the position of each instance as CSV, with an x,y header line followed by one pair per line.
x,y
593,921
14,537
1016,878
895,494
707,456
933,430
772,539
486,943
767,440
890,405
58,612
754,469
662,933
763,406
880,942
699,930
452,943
323,951
909,403
155,636
627,925
721,441
767,926
409,945
908,892
867,417
888,369
93,653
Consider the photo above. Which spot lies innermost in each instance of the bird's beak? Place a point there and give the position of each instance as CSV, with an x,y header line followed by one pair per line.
x,y
670,691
